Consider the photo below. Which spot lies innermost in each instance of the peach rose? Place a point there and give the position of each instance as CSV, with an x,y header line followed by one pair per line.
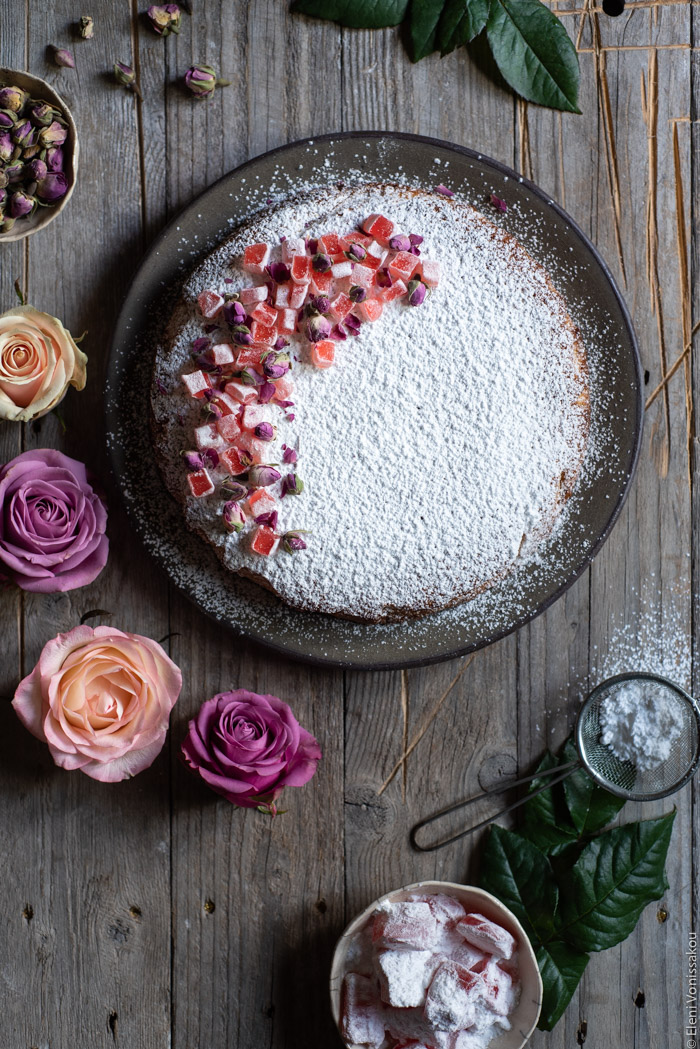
x,y
101,699
38,360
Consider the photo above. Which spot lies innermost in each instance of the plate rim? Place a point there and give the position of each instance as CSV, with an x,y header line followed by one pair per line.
x,y
548,201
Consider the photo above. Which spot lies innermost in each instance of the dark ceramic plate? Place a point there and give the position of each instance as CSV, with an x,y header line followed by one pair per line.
x,y
594,302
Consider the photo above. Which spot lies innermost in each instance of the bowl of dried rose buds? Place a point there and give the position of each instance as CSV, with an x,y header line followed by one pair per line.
x,y
435,965
38,154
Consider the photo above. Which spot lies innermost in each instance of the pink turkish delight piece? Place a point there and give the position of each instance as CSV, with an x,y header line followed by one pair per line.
x,y
240,392
292,246
286,321
430,272
395,291
256,258
377,252
378,227
200,483
404,977
403,265
446,909
210,302
370,310
284,388
254,414
405,925
196,383
486,935
499,989
452,997
222,353
410,1026
473,1039
341,305
248,296
259,451
263,334
297,295
362,276
264,313
301,269
467,955
228,427
341,269
282,293
225,404
207,436
362,1021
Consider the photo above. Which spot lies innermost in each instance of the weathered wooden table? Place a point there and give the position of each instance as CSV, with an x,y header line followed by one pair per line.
x,y
150,913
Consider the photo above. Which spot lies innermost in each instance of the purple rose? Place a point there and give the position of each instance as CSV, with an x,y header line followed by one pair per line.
x,y
52,523
249,747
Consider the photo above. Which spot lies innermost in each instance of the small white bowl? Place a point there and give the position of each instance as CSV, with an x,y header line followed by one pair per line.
x,y
39,89
524,1017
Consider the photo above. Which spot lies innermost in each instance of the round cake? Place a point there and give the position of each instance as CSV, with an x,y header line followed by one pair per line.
x,y
371,400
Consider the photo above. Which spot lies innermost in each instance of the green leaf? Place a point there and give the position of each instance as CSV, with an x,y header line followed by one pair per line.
x,y
546,821
613,880
460,22
534,53
358,14
424,18
521,876
591,807
561,968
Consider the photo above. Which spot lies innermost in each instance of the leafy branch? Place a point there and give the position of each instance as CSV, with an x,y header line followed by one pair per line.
x,y
574,886
529,44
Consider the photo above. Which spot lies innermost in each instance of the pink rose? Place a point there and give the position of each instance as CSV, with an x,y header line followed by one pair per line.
x,y
101,699
249,747
38,361
52,523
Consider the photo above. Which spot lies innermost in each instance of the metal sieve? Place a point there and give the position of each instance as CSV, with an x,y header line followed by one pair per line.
x,y
629,778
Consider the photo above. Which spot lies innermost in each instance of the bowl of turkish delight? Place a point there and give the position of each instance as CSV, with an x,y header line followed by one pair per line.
x,y
435,965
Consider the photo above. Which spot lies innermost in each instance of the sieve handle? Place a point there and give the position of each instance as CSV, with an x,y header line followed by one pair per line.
x,y
560,772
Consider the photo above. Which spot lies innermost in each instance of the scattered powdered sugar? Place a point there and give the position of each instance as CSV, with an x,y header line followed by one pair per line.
x,y
641,721
434,453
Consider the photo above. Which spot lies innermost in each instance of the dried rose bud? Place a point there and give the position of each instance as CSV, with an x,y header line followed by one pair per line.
x,y
356,253
279,272
266,392
233,516
234,313
21,204
235,490
41,114
23,134
7,225
318,327
164,18
263,476
264,432
497,204
251,378
53,135
53,187
35,170
321,262
54,158
13,98
416,292
63,58
400,243
292,541
203,81
289,456
3,196
280,343
86,27
14,171
383,278
357,294
241,335
193,460
126,76
6,146
292,485
275,364
7,118
4,180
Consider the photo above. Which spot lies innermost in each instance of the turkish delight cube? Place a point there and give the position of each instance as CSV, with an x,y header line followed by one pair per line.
x,y
403,265
499,990
263,334
301,269
207,436
200,483
256,258
341,305
196,383
467,955
225,404
222,353
249,296
379,228
284,388
362,1021
260,502
430,272
254,414
370,309
411,1025
298,293
286,321
320,282
395,291
264,313
341,269
259,451
323,353
362,276
231,461
228,427
249,356
264,541
241,392
486,935
282,294
447,909
404,977
405,925
291,247
454,991
210,302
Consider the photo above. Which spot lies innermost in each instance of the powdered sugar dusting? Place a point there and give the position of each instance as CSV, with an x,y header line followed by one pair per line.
x,y
433,453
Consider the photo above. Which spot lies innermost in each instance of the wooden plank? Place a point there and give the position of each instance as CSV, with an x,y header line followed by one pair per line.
x,y
88,862
256,905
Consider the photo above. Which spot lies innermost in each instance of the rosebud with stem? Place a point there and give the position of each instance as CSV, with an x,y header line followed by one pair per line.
x,y
203,81
63,58
126,76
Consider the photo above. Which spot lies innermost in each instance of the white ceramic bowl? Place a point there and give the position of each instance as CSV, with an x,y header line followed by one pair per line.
x,y
525,1015
39,89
